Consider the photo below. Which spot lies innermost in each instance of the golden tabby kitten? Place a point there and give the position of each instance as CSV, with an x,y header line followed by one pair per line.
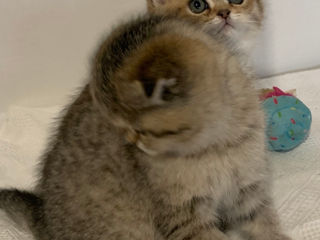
x,y
237,20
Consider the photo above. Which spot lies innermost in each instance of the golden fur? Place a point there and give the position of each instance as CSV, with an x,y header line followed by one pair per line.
x,y
194,166
244,21
192,69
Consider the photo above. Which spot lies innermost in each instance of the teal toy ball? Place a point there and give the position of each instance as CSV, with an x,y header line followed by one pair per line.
x,y
288,122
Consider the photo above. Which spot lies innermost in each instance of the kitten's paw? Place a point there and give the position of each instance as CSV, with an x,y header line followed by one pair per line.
x,y
240,235
235,235
283,237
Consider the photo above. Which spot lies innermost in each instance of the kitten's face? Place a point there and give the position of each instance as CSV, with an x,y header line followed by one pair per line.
x,y
239,20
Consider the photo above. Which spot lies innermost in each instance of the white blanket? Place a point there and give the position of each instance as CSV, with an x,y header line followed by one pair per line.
x,y
23,134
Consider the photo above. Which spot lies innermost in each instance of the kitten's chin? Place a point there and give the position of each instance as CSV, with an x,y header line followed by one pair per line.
x,y
238,37
199,144
169,149
146,150
226,28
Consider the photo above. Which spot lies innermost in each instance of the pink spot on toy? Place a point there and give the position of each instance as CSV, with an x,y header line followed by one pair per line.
x,y
275,100
274,138
293,121
277,92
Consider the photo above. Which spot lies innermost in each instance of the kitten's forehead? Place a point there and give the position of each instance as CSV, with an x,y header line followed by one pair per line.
x,y
183,4
249,14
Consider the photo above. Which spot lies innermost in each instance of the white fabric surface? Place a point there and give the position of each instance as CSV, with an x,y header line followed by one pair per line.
x,y
297,173
23,134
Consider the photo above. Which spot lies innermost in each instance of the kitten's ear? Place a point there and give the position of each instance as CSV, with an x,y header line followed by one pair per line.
x,y
147,92
152,4
160,91
155,74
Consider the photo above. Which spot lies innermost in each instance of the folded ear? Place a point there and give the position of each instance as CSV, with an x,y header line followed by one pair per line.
x,y
142,93
155,74
159,92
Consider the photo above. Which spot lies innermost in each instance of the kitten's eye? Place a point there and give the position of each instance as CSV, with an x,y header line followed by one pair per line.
x,y
198,6
236,1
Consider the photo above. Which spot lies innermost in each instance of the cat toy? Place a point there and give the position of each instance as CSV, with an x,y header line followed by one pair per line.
x,y
288,119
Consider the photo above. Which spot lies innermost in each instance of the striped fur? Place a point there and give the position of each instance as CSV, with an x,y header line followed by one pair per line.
x,y
166,141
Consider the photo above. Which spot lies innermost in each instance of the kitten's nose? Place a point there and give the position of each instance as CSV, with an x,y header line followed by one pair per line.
x,y
224,13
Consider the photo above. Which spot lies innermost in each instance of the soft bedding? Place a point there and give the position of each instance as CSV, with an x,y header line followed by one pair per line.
x,y
24,133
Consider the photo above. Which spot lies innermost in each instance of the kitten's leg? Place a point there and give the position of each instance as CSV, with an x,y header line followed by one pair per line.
x,y
263,225
192,221
195,230
254,217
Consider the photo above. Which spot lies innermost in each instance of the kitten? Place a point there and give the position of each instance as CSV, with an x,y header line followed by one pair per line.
x,y
166,141
238,21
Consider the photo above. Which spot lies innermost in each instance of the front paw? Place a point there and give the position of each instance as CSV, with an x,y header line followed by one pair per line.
x,y
283,237
241,235
235,235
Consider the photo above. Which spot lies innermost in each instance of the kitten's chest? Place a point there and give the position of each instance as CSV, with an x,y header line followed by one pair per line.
x,y
212,175
182,179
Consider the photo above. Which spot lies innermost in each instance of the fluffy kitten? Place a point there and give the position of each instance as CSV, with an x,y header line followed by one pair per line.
x,y
238,20
165,142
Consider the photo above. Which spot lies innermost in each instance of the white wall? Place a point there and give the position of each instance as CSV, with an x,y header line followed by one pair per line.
x,y
291,39
45,45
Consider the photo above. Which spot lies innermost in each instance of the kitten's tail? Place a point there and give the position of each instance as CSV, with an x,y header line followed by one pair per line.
x,y
24,208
